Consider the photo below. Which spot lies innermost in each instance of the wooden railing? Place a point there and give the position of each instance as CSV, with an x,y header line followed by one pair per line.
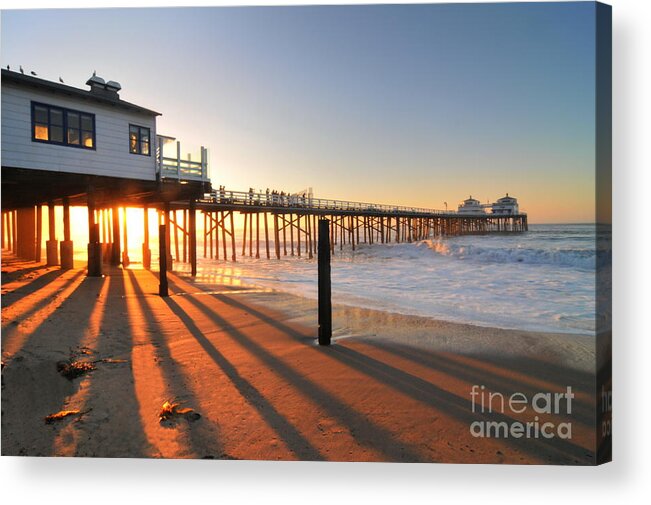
x,y
179,168
299,201
245,199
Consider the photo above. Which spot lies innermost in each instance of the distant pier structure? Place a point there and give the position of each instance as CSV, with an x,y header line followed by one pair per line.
x,y
65,146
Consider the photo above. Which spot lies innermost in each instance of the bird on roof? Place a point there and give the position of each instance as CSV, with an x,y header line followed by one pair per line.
x,y
61,80
8,67
94,73
33,73
21,70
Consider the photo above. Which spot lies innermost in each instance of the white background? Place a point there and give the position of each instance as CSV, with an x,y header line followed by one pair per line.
x,y
627,480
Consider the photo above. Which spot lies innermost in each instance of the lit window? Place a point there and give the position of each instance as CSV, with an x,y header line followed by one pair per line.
x,y
139,140
56,125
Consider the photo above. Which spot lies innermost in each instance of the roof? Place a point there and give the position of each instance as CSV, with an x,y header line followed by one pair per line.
x,y
64,89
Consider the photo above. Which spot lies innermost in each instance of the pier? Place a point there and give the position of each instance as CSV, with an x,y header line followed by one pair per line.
x,y
292,219
274,226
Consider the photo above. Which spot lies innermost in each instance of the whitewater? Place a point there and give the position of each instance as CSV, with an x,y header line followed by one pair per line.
x,y
541,280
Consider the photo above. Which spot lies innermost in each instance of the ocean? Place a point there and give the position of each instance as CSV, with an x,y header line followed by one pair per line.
x,y
541,280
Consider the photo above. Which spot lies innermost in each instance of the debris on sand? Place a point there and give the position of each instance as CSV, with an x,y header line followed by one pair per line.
x,y
111,360
82,350
62,414
72,369
171,411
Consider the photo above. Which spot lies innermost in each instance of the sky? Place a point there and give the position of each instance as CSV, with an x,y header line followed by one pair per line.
x,y
408,105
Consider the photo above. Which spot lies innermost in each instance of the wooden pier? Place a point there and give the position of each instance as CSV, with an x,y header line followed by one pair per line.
x,y
287,225
274,226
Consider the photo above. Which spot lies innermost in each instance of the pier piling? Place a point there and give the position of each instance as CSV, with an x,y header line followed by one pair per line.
x,y
66,245
162,261
325,302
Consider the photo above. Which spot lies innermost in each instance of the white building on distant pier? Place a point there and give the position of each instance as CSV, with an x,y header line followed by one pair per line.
x,y
471,206
506,206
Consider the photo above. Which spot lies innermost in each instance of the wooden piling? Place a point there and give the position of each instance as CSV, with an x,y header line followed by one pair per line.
x,y
224,234
284,235
217,235
125,251
94,245
233,257
325,302
162,261
257,235
250,235
14,231
266,234
193,238
291,232
185,235
244,236
206,234
39,233
115,252
309,236
52,245
277,237
146,252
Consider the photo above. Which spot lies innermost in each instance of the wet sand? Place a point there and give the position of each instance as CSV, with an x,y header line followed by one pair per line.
x,y
390,388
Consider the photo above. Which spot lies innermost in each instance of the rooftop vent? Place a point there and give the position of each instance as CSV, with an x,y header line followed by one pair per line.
x,y
113,86
102,88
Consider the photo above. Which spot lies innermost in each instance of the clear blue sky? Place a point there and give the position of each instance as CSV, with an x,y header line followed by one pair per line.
x,y
411,105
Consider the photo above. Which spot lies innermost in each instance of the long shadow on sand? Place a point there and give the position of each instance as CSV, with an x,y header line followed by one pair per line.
x,y
121,429
202,432
298,444
40,284
554,450
31,376
367,432
440,362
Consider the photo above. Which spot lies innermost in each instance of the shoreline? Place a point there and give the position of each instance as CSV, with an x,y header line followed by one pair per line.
x,y
370,306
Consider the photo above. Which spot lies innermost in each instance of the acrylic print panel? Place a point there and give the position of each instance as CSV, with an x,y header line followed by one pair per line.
x,y
355,233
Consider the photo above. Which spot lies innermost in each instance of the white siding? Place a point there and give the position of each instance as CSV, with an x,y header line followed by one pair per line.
x,y
111,156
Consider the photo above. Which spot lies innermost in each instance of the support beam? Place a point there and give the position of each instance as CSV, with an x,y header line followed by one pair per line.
x,y
14,231
115,250
309,236
250,235
233,256
4,228
146,251
26,229
185,235
39,233
94,246
193,238
257,235
52,245
277,237
266,233
224,234
66,246
244,236
125,252
162,261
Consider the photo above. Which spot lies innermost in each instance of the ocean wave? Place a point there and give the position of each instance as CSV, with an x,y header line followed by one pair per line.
x,y
575,258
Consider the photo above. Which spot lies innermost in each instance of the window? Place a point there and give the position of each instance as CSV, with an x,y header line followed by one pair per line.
x,y
66,127
139,140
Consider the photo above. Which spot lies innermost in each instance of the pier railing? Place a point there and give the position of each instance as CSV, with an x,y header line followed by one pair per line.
x,y
268,200
175,167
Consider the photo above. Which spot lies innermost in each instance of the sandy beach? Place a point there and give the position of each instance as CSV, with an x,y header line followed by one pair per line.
x,y
391,387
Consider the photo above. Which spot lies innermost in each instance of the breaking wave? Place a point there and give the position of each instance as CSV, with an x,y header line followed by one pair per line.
x,y
575,258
